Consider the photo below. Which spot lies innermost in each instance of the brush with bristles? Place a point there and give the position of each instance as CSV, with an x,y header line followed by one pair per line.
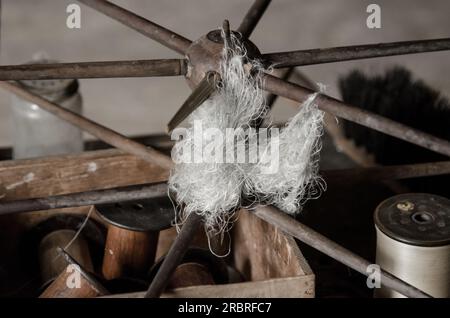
x,y
398,96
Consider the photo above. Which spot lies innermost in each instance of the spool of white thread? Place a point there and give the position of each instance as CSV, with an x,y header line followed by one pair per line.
x,y
413,242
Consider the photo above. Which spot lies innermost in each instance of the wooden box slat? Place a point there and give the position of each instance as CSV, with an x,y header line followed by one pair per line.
x,y
93,170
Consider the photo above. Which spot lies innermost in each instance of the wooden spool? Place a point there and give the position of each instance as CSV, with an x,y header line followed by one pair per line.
x,y
51,262
133,231
191,274
199,267
74,282
128,252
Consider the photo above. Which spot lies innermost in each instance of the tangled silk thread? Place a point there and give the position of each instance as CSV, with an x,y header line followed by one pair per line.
x,y
215,188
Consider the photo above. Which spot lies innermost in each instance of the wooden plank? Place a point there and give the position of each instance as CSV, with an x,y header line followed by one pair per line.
x,y
293,287
262,252
41,177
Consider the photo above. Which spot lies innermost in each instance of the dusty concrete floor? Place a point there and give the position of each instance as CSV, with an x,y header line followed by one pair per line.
x,y
138,106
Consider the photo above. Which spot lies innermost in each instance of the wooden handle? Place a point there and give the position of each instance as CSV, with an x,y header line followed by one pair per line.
x,y
51,262
190,274
128,252
74,283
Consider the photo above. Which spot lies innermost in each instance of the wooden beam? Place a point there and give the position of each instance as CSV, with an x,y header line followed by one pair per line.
x,y
102,169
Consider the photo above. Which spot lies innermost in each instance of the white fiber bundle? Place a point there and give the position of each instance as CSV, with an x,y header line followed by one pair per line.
x,y
210,180
297,178
213,189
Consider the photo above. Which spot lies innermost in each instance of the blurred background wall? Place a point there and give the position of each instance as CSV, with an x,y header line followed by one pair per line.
x,y
144,106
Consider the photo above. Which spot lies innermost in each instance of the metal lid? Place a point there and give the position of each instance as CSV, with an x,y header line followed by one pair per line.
x,y
415,218
144,215
51,89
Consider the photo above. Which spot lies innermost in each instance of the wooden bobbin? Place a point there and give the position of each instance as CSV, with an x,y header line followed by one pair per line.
x,y
133,231
52,264
38,245
191,274
74,282
199,267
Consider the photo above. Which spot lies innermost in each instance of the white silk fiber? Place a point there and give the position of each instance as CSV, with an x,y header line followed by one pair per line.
x,y
214,188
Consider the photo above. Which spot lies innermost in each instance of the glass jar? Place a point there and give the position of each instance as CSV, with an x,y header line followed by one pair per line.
x,y
39,133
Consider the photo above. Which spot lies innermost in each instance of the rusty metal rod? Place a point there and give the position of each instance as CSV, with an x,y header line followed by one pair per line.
x,y
110,69
321,243
302,79
105,134
226,32
174,256
284,74
150,29
94,197
365,118
147,191
383,173
252,17
347,53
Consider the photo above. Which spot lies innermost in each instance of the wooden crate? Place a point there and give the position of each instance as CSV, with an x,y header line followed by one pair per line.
x,y
270,261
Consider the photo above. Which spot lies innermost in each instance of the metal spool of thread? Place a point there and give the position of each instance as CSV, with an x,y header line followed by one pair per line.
x,y
413,242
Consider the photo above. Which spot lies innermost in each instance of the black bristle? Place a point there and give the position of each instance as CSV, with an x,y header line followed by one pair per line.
x,y
396,95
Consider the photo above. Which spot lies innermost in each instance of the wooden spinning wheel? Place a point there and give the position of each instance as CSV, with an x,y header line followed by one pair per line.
x,y
199,58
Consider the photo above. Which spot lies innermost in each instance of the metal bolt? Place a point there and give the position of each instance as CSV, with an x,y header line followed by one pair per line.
x,y
405,206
